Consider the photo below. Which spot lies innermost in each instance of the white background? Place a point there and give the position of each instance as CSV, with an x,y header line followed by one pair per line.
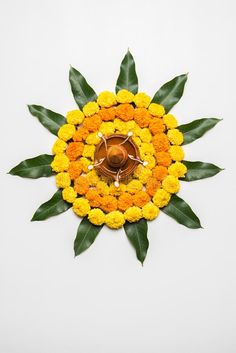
x,y
183,299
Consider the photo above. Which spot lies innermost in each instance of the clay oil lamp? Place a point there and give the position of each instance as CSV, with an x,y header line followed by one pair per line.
x,y
116,157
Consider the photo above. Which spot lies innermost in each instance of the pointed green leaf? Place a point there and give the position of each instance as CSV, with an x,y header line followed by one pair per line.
x,y
52,207
199,170
86,234
182,212
81,90
34,168
197,128
171,92
137,234
49,119
127,78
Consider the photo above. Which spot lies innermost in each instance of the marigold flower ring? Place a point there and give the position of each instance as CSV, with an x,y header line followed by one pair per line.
x,y
119,158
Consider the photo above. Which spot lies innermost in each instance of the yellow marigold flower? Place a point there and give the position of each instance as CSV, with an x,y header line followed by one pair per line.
x,y
146,148
170,121
177,169
171,184
145,135
115,219
84,162
138,170
102,188
106,99
134,186
156,109
63,180
117,191
150,211
69,194
151,161
75,117
133,214
124,96
90,108
137,140
142,100
93,139
144,175
161,198
59,146
119,124
137,131
176,153
81,207
60,163
96,216
131,125
107,128
88,151
92,178
66,132
175,137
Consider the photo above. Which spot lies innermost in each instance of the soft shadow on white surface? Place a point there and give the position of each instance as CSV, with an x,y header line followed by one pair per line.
x,y
183,299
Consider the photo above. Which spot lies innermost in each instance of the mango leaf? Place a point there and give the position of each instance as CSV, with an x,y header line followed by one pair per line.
x,y
127,78
86,234
199,170
182,213
34,168
52,207
137,234
197,128
81,90
171,92
49,119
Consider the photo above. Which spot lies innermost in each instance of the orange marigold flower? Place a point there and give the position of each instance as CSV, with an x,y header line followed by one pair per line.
x,y
161,142
74,150
142,117
94,198
160,172
81,134
152,185
125,112
107,114
108,203
125,201
74,170
163,158
81,185
156,126
92,123
141,198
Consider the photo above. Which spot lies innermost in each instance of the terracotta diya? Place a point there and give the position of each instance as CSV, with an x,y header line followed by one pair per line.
x,y
116,156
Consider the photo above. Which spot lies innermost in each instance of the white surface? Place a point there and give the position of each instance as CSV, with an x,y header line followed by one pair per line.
x,y
183,299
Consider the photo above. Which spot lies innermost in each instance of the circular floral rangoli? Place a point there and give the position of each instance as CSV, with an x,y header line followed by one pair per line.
x,y
118,159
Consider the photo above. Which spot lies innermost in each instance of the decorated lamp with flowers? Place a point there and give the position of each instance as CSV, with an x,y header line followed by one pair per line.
x,y
118,160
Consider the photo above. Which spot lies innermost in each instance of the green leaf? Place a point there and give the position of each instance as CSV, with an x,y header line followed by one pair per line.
x,y
52,207
81,90
49,119
171,92
199,170
182,213
127,78
197,128
86,234
137,234
34,168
